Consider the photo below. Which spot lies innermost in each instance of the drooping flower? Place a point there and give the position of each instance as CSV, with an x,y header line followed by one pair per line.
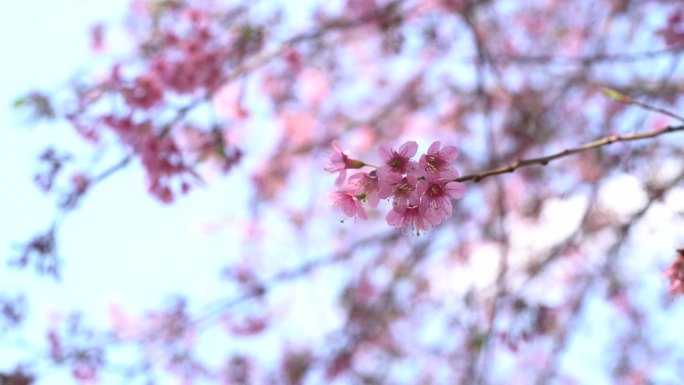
x,y
339,162
409,217
348,202
437,162
398,162
368,185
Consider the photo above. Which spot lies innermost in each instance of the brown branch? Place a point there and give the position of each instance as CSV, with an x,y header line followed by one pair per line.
x,y
544,160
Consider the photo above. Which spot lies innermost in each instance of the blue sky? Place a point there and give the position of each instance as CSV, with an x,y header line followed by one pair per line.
x,y
110,252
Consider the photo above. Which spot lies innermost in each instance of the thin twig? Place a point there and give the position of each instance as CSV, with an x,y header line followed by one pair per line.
x,y
619,97
544,160
582,59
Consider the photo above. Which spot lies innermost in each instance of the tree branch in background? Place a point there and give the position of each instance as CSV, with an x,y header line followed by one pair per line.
x,y
544,160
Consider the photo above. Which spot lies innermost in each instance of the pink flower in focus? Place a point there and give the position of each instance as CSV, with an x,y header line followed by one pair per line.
x,y
398,162
437,163
386,186
409,217
369,186
437,196
348,203
403,190
421,193
340,162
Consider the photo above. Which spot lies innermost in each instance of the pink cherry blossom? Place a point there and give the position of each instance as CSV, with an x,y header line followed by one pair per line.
x,y
421,194
409,217
339,162
369,186
347,202
437,196
386,186
403,190
397,162
437,163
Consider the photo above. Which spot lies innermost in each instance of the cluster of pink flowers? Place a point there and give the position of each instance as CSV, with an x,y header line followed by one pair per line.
x,y
183,61
161,157
186,56
421,192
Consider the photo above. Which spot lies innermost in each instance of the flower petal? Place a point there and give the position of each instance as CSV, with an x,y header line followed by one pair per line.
x,y
408,149
456,190
434,147
385,153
